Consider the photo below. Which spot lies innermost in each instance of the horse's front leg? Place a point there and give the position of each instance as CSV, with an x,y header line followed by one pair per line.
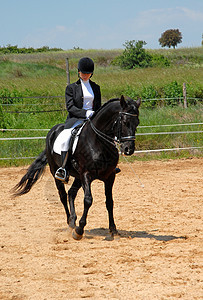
x,y
86,184
72,193
109,203
63,197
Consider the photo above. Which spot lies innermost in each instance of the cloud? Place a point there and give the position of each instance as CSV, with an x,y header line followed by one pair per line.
x,y
168,15
192,14
149,24
60,28
146,25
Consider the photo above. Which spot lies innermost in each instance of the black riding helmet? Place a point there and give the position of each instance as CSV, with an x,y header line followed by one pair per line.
x,y
86,65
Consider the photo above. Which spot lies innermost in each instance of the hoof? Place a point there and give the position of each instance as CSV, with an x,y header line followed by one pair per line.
x,y
116,237
71,225
69,230
76,236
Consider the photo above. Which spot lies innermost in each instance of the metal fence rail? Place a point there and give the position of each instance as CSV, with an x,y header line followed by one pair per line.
x,y
137,134
140,126
62,104
166,149
135,152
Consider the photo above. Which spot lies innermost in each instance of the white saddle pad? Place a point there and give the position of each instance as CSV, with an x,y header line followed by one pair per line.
x,y
63,137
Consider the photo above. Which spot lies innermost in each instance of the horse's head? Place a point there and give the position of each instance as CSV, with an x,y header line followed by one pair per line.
x,y
127,123
117,120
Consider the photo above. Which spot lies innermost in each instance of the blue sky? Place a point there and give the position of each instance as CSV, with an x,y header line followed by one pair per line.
x,y
102,24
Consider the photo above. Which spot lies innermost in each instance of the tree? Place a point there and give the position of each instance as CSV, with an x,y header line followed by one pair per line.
x,y
170,38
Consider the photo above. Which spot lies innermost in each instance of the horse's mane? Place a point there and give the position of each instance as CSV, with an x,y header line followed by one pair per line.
x,y
104,105
128,100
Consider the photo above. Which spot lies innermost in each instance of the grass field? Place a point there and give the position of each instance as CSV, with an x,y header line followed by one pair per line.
x,y
148,117
44,74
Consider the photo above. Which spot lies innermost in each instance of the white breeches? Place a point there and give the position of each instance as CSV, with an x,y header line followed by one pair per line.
x,y
63,139
65,136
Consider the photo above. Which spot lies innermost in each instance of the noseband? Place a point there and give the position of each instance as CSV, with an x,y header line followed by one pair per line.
x,y
118,138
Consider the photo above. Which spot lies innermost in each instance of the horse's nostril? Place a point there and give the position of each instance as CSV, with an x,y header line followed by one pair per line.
x,y
126,150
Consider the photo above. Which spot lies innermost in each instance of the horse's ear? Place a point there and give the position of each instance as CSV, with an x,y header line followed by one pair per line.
x,y
138,102
123,102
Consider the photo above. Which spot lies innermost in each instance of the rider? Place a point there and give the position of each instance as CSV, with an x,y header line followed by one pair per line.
x,y
83,98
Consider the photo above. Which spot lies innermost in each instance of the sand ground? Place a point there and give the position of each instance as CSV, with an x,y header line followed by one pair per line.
x,y
158,255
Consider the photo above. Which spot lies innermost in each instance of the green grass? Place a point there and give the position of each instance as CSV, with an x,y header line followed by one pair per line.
x,y
44,74
32,70
180,56
148,117
25,71
170,116
113,81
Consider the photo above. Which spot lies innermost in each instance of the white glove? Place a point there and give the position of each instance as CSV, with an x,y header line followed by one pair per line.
x,y
89,113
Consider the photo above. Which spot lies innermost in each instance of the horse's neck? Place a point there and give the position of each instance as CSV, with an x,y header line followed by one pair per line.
x,y
106,117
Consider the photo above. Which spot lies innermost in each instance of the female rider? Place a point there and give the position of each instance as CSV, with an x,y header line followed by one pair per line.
x,y
83,98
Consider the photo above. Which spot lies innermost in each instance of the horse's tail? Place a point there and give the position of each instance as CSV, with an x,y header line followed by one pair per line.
x,y
33,174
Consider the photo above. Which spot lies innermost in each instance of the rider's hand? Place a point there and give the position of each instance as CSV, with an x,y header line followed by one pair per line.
x,y
89,113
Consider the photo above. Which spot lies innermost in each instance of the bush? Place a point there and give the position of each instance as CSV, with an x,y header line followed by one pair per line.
x,y
134,56
149,92
2,124
173,90
14,49
6,120
198,93
131,92
159,61
9,97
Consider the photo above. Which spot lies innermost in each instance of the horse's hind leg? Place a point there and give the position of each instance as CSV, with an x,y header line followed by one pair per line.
x,y
71,197
63,197
109,203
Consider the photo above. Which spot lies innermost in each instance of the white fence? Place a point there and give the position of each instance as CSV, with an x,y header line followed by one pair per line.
x,y
61,107
137,134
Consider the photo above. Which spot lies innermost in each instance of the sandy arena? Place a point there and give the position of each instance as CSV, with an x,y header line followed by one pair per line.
x,y
158,255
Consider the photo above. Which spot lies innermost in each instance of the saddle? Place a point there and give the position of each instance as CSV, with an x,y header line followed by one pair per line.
x,y
75,133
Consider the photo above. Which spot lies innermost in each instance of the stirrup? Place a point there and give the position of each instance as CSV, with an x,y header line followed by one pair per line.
x,y
60,176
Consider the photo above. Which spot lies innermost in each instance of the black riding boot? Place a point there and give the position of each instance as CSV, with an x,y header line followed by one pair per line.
x,y
62,174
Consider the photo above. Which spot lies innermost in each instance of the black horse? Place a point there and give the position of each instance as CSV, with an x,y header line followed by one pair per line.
x,y
95,157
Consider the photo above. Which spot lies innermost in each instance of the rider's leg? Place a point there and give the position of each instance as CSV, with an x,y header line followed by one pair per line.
x,y
62,174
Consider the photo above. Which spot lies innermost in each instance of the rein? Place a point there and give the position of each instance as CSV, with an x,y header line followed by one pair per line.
x,y
118,138
103,135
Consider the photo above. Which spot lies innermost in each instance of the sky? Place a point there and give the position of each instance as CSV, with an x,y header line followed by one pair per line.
x,y
98,24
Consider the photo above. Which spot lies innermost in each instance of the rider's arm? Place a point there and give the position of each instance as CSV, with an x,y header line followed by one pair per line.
x,y
73,104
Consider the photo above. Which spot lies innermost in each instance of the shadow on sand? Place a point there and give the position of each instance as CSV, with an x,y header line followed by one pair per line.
x,y
103,232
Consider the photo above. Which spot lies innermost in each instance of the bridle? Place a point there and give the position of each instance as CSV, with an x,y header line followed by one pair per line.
x,y
118,138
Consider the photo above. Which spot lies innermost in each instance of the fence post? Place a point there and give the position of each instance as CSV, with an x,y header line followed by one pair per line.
x,y
184,95
67,71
